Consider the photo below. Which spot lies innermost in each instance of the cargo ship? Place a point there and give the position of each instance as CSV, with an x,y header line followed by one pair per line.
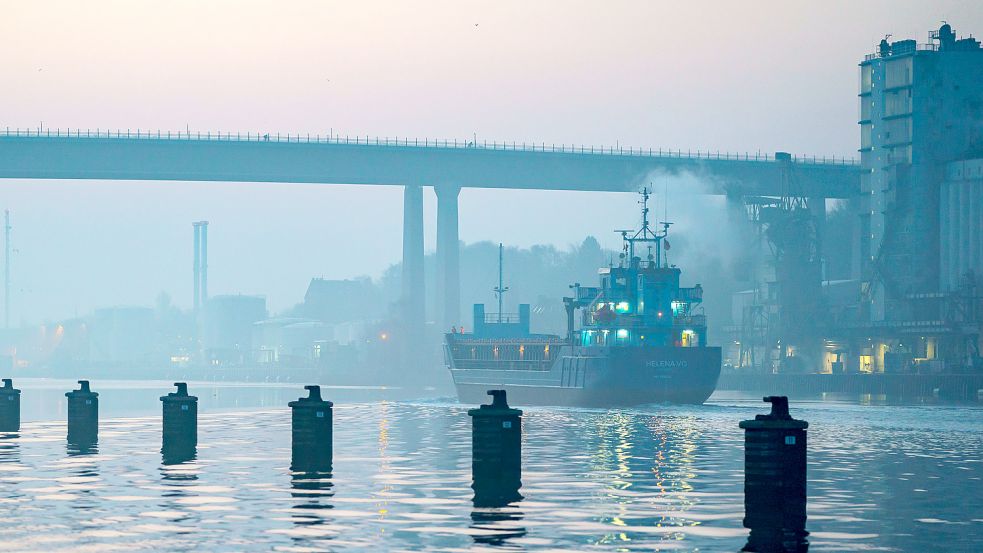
x,y
641,339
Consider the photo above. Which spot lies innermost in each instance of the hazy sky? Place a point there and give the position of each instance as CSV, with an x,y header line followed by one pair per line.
x,y
744,76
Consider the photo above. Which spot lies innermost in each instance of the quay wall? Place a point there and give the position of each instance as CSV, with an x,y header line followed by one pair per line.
x,y
954,387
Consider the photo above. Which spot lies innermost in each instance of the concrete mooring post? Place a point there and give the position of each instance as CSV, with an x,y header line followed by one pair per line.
x,y
775,480
180,425
496,452
83,415
311,432
9,407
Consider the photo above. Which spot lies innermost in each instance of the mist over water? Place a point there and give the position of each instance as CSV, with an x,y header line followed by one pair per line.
x,y
320,284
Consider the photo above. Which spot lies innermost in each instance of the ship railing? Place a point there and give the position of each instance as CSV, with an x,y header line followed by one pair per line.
x,y
504,364
505,318
690,295
540,340
587,293
690,320
406,142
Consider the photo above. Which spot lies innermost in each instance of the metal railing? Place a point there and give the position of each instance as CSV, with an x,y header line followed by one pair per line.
x,y
510,318
898,49
444,143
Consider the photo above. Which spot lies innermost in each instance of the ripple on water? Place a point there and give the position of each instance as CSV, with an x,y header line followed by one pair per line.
x,y
638,480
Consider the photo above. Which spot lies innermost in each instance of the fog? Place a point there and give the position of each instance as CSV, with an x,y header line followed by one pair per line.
x,y
700,76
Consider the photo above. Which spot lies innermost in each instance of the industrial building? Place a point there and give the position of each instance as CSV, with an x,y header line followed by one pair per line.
x,y
228,328
913,303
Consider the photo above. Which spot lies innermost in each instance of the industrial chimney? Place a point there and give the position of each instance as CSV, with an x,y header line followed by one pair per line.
x,y
200,264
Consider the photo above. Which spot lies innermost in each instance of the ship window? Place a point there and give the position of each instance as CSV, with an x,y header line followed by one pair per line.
x,y
689,339
622,336
622,307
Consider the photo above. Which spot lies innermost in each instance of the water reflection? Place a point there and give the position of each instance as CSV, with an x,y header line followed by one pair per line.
x,y
178,450
496,517
9,447
84,477
313,490
82,447
649,468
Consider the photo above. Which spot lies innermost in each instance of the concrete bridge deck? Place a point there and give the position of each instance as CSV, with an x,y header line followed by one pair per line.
x,y
412,163
227,157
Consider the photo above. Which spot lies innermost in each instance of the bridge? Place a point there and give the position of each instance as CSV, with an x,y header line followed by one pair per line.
x,y
445,165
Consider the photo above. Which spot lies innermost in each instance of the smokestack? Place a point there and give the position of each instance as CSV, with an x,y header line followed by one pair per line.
x,y
6,268
204,261
197,266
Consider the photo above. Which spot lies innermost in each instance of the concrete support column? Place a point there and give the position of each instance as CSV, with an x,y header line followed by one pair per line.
x,y
448,290
413,300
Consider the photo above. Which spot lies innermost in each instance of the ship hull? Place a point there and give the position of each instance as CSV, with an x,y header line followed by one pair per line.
x,y
599,377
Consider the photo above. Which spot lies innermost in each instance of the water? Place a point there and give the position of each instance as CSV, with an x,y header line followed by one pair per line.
x,y
659,478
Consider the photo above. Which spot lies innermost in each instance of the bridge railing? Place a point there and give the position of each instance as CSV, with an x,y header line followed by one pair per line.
x,y
618,150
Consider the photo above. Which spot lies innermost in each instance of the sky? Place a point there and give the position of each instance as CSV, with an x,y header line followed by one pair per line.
x,y
732,76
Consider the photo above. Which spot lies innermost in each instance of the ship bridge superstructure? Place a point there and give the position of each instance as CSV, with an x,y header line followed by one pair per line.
x,y
639,303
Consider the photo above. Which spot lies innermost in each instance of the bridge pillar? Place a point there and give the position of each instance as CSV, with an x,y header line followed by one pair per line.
x,y
413,300
448,290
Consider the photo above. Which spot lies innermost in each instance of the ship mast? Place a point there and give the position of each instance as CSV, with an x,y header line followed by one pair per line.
x,y
646,234
501,288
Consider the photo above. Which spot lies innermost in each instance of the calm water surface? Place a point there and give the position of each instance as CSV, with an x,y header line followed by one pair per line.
x,y
660,478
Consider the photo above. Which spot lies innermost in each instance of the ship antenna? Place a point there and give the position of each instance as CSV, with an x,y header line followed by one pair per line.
x,y
645,212
501,288
665,222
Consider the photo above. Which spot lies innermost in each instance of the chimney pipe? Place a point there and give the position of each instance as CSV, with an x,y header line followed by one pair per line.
x,y
197,267
204,262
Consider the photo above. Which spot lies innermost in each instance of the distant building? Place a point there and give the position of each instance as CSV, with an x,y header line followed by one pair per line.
x,y
921,108
961,224
337,301
228,328
290,341
121,336
919,249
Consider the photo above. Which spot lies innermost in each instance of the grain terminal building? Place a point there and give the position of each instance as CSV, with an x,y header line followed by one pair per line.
x,y
913,302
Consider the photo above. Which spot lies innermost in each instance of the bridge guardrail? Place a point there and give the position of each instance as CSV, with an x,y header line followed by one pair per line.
x,y
619,150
